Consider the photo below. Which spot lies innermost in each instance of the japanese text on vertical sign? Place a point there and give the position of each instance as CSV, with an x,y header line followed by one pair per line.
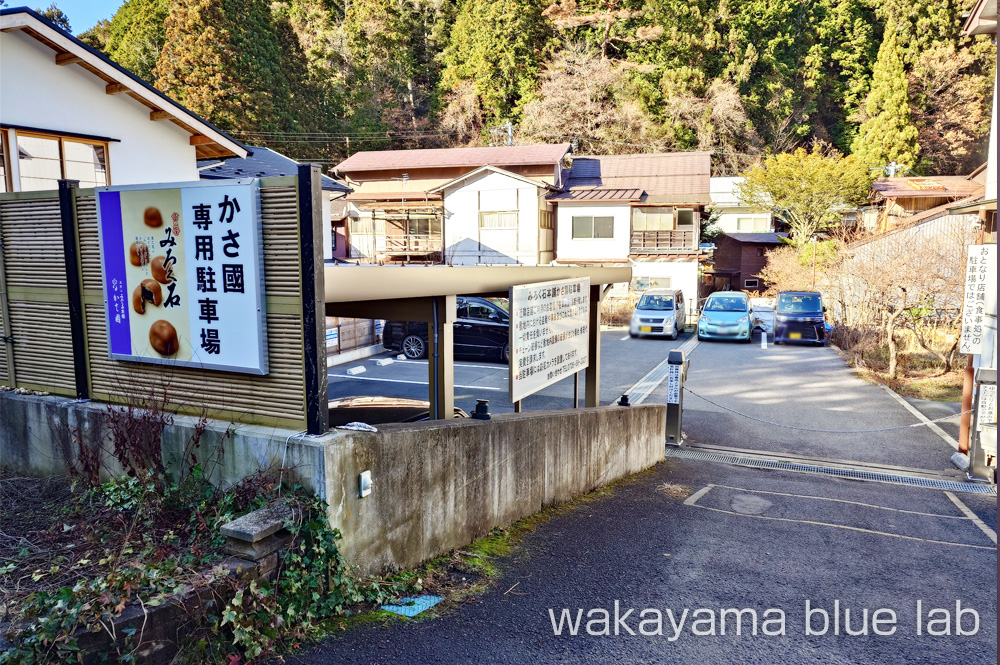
x,y
980,296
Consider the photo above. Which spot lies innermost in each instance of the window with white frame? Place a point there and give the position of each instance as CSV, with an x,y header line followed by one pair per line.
x,y
505,219
44,159
752,224
586,226
652,218
750,284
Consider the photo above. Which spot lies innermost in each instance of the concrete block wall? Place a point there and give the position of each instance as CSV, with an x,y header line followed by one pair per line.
x,y
439,486
40,434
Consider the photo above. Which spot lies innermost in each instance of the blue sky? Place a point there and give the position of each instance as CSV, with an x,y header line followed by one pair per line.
x,y
83,14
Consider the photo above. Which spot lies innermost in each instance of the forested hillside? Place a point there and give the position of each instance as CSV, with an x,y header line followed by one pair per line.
x,y
891,80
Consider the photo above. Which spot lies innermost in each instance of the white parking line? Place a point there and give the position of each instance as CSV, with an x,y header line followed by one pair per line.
x,y
625,338
922,418
498,366
692,501
645,386
416,383
990,533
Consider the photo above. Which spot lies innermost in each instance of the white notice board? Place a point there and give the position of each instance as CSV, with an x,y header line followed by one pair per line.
x,y
980,296
549,333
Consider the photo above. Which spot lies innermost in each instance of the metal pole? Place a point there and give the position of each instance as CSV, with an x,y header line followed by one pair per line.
x,y
576,390
71,255
313,299
517,406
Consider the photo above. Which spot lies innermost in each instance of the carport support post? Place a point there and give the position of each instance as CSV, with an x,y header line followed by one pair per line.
x,y
592,393
441,357
71,254
313,299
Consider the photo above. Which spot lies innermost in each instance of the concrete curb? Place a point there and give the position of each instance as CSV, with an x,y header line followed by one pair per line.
x,y
334,359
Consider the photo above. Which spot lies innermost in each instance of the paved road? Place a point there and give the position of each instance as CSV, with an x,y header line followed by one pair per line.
x,y
758,540
748,539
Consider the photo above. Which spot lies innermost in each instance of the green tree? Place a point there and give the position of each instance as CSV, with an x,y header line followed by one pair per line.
x,y
807,190
497,46
924,24
136,35
222,59
57,16
377,34
888,134
97,37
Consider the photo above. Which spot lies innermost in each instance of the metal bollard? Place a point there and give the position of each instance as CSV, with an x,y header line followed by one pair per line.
x,y
676,373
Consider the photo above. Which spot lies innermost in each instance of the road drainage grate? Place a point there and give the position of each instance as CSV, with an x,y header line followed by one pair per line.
x,y
411,607
854,474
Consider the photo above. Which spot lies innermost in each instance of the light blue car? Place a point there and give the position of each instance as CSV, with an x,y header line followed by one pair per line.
x,y
726,315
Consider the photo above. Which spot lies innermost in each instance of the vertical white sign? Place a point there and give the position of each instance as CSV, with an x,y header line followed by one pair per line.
x,y
980,296
987,408
673,384
549,333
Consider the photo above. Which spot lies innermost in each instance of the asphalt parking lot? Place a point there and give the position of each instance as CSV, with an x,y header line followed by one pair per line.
x,y
704,535
623,361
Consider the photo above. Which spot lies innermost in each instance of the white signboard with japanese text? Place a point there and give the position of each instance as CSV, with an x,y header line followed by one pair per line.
x,y
987,409
674,384
549,334
980,296
183,269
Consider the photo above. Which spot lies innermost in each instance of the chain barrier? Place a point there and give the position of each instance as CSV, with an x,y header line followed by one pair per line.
x,y
824,431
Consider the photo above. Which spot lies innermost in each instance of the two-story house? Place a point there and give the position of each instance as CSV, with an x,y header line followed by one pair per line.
x,y
460,206
70,112
641,210
731,214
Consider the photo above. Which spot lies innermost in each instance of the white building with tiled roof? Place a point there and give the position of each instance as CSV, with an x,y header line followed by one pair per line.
x,y
644,211
69,112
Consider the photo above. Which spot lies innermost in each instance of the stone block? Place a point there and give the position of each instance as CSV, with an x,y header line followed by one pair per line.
x,y
259,524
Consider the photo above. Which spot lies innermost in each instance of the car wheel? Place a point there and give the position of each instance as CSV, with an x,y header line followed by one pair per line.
x,y
414,347
505,353
632,335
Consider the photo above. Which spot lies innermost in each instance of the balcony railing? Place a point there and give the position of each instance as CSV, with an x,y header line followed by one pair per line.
x,y
653,242
414,244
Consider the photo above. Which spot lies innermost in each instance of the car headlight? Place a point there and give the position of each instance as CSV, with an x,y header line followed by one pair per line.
x,y
744,319
705,319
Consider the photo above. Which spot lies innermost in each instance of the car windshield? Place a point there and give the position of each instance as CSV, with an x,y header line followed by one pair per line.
x,y
726,304
799,304
656,303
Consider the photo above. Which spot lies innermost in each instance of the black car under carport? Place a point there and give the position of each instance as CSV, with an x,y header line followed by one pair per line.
x,y
481,330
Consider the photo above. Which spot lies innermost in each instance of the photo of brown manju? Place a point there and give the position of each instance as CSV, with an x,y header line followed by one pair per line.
x,y
138,253
148,291
163,338
162,274
152,217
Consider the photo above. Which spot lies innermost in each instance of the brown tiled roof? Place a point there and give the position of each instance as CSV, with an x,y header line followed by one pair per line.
x,y
678,176
598,195
951,186
429,158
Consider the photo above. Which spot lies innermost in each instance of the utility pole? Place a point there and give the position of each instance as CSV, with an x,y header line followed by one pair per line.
x,y
503,135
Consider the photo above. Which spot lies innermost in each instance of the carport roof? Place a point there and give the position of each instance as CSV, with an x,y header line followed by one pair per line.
x,y
354,283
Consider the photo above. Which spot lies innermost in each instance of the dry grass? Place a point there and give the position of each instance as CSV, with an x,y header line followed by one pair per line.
x,y
675,491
